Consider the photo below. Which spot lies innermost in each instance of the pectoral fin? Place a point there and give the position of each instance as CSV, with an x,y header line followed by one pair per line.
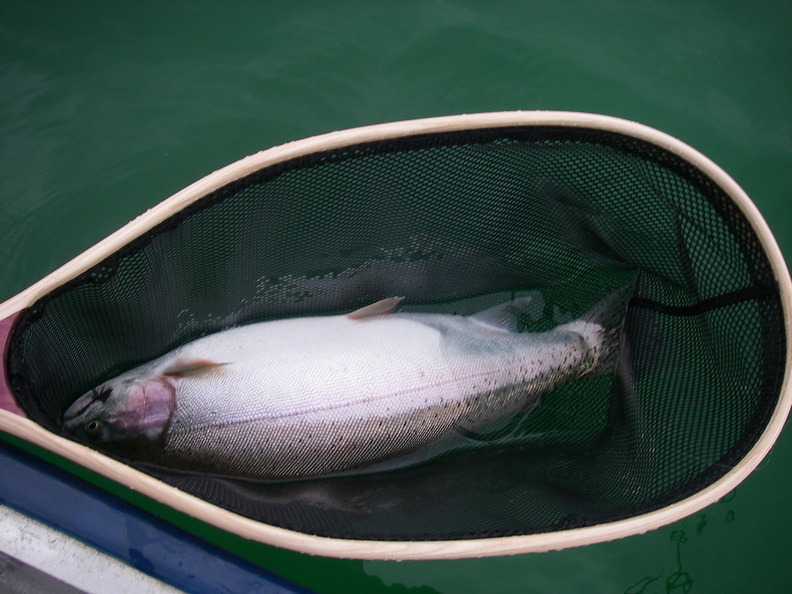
x,y
182,367
379,308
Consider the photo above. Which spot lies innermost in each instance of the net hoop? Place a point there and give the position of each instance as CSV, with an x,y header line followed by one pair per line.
x,y
29,431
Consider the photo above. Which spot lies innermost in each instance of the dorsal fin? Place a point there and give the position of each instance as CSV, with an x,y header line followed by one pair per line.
x,y
378,308
182,367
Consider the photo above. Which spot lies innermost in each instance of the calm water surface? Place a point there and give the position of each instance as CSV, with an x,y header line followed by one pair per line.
x,y
107,109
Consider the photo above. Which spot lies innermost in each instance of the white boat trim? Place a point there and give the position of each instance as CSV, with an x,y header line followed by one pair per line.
x,y
67,560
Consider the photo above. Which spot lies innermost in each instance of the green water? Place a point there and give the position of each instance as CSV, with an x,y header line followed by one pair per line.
x,y
106,109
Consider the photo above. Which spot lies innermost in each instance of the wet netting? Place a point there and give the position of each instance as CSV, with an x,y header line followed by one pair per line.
x,y
453,222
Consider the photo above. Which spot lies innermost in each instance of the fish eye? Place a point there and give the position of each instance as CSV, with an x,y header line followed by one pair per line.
x,y
94,428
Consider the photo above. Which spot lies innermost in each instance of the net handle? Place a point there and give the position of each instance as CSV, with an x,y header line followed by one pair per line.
x,y
7,400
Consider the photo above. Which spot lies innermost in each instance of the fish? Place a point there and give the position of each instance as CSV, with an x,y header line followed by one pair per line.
x,y
313,396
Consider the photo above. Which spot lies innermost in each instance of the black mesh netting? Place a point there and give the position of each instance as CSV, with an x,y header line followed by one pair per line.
x,y
452,221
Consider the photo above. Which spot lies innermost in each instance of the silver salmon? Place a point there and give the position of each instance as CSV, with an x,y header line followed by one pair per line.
x,y
305,397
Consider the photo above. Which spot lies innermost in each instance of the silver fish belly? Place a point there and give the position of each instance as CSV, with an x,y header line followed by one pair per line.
x,y
307,397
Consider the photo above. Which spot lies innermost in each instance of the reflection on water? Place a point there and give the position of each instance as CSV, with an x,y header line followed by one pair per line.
x,y
680,580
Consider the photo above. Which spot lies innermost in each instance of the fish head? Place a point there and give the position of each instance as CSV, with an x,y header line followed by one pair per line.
x,y
123,410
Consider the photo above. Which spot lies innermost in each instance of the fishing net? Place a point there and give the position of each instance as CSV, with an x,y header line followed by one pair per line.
x,y
455,221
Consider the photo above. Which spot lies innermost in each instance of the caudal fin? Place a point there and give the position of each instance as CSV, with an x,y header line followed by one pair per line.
x,y
609,311
608,314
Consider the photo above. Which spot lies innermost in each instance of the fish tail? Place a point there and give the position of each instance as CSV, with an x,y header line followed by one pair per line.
x,y
601,328
609,311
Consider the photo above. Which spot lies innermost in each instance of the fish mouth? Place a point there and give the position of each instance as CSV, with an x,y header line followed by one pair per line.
x,y
78,408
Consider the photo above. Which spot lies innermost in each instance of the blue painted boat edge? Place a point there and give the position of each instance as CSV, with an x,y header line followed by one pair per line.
x,y
38,558
46,493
